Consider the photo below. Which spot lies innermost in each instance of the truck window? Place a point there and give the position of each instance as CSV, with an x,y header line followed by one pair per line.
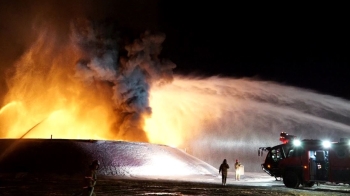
x,y
294,152
276,154
291,153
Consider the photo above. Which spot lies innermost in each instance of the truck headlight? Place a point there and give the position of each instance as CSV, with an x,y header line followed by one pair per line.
x,y
296,142
326,144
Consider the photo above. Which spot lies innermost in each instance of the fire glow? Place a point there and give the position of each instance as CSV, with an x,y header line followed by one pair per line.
x,y
182,110
44,92
79,89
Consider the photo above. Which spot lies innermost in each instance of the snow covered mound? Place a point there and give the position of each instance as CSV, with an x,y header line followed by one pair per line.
x,y
157,160
117,158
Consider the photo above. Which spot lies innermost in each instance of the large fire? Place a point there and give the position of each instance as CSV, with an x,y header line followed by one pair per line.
x,y
50,97
44,93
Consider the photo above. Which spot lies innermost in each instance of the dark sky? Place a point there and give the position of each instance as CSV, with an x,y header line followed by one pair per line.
x,y
296,44
305,45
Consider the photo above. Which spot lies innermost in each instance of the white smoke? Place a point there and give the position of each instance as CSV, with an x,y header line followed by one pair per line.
x,y
130,76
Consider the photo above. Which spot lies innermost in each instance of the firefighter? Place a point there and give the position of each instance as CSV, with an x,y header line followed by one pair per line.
x,y
223,170
90,179
237,168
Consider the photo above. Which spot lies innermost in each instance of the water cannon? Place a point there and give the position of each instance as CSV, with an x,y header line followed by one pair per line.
x,y
286,138
262,149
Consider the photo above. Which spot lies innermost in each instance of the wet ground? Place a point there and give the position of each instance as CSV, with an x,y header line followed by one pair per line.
x,y
108,186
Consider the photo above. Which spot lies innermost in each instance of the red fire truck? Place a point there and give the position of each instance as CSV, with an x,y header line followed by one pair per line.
x,y
306,162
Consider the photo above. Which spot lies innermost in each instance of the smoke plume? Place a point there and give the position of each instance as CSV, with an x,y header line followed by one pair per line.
x,y
130,76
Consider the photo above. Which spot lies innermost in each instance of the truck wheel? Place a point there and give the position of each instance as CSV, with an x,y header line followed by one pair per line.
x,y
309,184
291,180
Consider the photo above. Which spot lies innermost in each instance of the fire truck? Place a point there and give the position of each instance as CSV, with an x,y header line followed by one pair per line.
x,y
306,162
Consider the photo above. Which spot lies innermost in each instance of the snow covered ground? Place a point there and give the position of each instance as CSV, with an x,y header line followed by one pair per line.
x,y
151,161
129,168
168,163
117,158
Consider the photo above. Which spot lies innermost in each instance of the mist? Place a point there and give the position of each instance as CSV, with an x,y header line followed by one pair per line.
x,y
230,118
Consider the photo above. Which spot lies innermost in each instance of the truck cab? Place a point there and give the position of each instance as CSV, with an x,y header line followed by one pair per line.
x,y
274,156
308,162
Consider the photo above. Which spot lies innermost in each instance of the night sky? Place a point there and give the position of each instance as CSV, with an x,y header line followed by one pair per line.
x,y
304,45
300,45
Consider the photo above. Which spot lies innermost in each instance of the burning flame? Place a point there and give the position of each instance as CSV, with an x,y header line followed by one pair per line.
x,y
44,92
77,89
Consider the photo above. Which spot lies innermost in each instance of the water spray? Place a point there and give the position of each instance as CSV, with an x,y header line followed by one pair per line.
x,y
9,149
33,128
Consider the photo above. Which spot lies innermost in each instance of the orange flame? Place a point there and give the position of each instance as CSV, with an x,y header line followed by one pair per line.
x,y
44,93
44,90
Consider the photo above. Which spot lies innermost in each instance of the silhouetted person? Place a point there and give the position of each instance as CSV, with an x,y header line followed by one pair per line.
x,y
223,169
90,179
238,170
